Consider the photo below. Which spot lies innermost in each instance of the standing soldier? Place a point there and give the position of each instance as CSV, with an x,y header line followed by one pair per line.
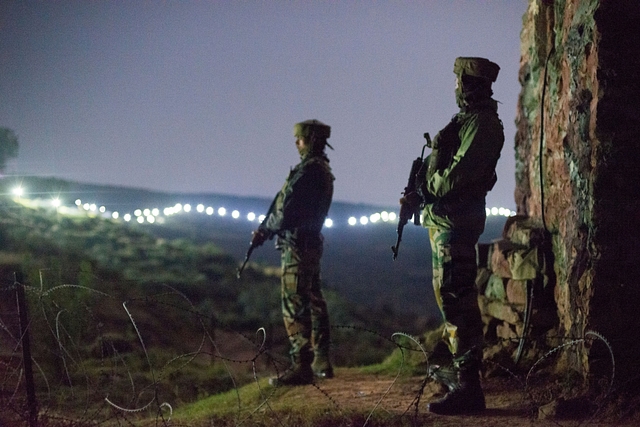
x,y
296,217
452,185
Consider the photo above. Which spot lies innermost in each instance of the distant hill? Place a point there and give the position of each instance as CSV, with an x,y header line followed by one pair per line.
x,y
357,260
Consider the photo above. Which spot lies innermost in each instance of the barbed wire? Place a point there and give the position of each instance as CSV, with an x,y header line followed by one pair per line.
x,y
89,406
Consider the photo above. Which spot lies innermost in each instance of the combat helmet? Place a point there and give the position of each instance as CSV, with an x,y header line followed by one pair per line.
x,y
476,67
311,127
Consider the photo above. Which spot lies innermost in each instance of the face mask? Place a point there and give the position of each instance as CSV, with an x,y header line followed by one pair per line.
x,y
460,97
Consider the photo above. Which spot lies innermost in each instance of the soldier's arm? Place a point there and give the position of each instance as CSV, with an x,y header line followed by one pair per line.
x,y
475,160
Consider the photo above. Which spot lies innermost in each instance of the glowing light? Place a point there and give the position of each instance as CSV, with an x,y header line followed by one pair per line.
x,y
18,191
154,215
494,211
487,211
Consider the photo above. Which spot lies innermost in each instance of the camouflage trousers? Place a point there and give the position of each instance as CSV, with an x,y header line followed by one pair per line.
x,y
454,274
304,310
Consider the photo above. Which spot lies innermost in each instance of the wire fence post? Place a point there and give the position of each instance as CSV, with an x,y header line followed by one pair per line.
x,y
26,350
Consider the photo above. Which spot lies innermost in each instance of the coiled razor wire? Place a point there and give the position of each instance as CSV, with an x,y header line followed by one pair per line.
x,y
261,350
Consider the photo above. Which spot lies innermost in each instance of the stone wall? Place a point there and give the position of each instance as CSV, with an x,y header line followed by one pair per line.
x,y
577,160
515,282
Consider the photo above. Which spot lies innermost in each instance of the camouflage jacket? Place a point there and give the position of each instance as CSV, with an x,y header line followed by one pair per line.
x,y
299,210
461,167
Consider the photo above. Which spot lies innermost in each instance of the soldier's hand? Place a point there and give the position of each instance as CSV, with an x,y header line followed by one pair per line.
x,y
427,198
410,201
409,206
258,237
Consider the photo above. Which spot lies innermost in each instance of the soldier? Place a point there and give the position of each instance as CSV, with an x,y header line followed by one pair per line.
x,y
452,185
296,217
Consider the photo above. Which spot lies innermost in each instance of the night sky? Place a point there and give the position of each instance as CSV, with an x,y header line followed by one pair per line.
x,y
201,96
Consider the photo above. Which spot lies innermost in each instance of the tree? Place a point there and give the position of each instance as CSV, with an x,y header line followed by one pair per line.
x,y
8,146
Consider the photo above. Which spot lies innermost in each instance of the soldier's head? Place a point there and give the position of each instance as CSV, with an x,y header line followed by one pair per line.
x,y
311,136
474,79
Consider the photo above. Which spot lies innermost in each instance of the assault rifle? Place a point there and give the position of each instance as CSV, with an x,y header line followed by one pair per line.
x,y
246,260
256,241
407,209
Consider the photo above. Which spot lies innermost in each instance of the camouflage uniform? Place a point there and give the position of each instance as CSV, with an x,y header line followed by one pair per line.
x,y
296,217
459,172
461,169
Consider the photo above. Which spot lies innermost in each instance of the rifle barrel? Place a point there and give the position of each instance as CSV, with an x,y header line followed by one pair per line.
x,y
244,263
395,248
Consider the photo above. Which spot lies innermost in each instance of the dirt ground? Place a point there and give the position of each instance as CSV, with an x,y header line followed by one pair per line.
x,y
509,403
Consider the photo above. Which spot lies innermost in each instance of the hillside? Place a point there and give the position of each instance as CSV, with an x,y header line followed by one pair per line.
x,y
116,311
129,320
357,262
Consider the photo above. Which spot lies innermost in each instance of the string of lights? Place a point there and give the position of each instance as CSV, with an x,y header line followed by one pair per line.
x,y
158,216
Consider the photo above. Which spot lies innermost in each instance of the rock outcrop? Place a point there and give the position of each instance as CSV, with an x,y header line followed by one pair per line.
x,y
577,160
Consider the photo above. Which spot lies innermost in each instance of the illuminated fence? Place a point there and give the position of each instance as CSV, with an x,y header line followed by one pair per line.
x,y
158,215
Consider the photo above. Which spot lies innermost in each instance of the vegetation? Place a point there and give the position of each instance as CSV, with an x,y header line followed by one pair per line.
x,y
133,328
121,318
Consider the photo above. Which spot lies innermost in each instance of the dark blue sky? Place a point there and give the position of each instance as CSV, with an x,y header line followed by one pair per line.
x,y
201,96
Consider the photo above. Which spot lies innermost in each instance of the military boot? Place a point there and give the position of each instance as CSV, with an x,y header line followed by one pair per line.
x,y
299,373
321,366
465,395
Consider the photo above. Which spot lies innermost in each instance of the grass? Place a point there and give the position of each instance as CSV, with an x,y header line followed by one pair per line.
x,y
239,405
259,404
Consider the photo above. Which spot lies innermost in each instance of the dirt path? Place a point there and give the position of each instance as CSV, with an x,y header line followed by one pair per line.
x,y
508,403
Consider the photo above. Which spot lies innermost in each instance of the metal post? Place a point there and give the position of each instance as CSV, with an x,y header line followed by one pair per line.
x,y
26,351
